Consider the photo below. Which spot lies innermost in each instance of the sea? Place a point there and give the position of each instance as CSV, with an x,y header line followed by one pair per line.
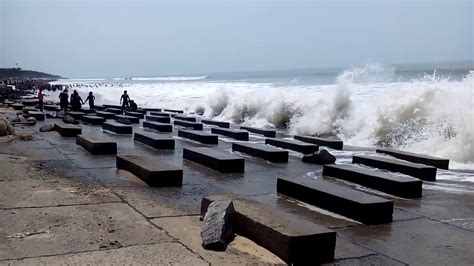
x,y
425,111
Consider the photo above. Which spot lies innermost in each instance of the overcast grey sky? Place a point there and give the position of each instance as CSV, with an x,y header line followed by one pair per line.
x,y
130,38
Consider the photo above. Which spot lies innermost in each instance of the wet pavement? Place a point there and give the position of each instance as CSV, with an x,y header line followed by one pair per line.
x,y
85,210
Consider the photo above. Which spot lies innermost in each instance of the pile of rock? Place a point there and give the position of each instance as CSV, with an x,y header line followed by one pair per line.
x,y
6,128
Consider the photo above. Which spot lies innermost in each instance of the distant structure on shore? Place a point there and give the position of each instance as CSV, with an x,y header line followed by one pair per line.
x,y
18,73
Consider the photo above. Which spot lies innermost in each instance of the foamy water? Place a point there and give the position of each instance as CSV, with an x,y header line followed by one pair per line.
x,y
430,115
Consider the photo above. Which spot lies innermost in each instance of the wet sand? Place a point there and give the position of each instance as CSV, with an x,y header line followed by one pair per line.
x,y
59,204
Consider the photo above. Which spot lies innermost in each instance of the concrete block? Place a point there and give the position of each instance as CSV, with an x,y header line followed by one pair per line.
x,y
155,173
87,111
154,140
417,158
161,119
152,109
421,171
199,136
29,102
67,130
394,184
327,142
114,106
216,123
93,119
160,114
51,107
76,115
187,124
132,119
18,106
237,134
354,204
294,240
263,151
271,133
220,161
104,114
138,115
173,111
163,127
294,145
40,116
116,111
217,225
96,145
185,118
117,128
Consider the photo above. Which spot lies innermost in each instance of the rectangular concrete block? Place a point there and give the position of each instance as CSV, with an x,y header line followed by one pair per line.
x,y
67,130
295,240
216,123
114,106
154,140
51,107
185,118
155,173
161,119
237,134
162,127
149,109
187,124
294,145
220,161
395,184
132,119
353,204
99,107
117,111
104,114
417,158
29,102
135,114
97,145
93,119
160,114
18,106
87,111
141,111
421,171
271,133
263,151
327,142
40,116
199,136
76,115
117,128
174,111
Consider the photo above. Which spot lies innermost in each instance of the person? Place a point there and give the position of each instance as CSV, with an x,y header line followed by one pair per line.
x,y
76,101
63,100
40,99
91,99
124,100
133,105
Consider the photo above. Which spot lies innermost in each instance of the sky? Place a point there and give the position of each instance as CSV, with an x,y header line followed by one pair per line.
x,y
157,38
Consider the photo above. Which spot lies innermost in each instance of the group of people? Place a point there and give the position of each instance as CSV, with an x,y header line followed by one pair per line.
x,y
76,101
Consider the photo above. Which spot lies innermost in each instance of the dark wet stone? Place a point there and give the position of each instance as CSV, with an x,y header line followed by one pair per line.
x,y
320,157
124,121
47,128
217,230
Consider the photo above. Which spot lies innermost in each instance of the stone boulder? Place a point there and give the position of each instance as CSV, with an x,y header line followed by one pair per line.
x,y
21,119
47,128
320,157
69,119
217,230
31,121
6,128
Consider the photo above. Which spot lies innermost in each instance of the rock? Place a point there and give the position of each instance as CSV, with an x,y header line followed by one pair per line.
x,y
31,121
200,110
47,128
217,229
6,128
22,119
320,157
60,113
124,121
69,119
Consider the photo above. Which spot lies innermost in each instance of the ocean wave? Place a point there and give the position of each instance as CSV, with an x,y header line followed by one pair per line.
x,y
177,78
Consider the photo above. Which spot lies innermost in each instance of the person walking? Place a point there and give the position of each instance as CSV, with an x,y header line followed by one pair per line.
x,y
124,100
40,99
63,100
91,99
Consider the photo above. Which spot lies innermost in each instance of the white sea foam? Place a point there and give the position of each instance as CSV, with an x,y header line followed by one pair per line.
x,y
430,115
